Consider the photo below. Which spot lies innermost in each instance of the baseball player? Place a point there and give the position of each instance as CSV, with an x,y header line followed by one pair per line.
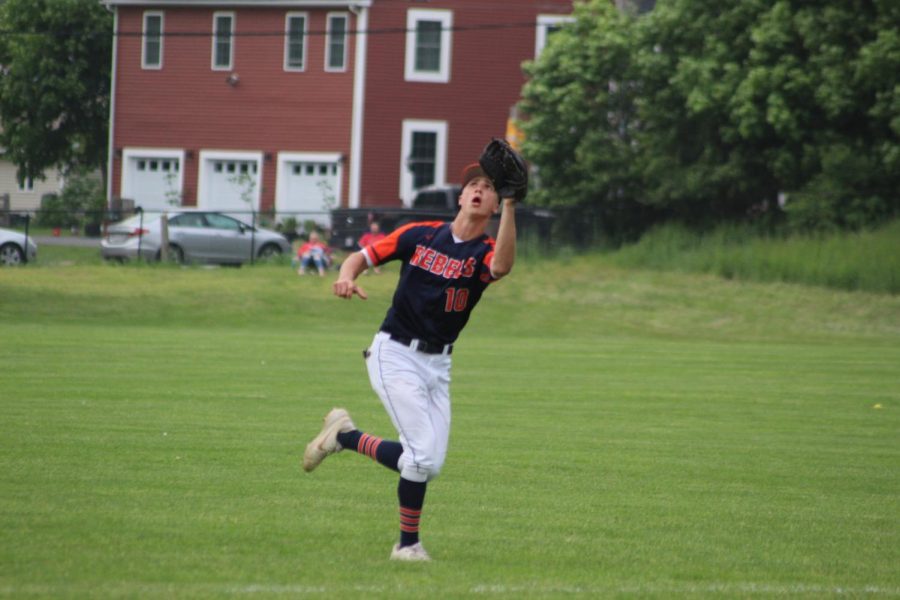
x,y
446,268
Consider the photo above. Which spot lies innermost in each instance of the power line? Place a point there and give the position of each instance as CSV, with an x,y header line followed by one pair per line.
x,y
280,33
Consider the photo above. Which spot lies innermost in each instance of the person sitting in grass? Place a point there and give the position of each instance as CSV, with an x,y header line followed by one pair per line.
x,y
313,252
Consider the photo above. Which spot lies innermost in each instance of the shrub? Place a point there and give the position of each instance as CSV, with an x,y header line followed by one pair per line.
x,y
81,203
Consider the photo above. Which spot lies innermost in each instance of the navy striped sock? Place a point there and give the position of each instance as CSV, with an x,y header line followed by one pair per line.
x,y
384,452
412,496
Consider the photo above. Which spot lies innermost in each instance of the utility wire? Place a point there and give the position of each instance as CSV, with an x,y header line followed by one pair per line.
x,y
281,33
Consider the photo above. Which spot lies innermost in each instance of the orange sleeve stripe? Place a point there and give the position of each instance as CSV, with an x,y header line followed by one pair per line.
x,y
384,248
489,257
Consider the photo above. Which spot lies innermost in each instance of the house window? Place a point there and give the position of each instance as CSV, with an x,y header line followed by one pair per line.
x,y
546,26
424,156
295,42
223,41
428,45
27,185
336,43
151,55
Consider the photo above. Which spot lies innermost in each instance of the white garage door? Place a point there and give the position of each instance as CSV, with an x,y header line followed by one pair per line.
x,y
153,183
310,191
231,186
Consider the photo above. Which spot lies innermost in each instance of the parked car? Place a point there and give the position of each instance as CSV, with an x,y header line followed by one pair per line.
x,y
13,247
194,236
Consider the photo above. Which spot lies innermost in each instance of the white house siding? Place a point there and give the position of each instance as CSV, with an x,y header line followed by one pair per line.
x,y
27,200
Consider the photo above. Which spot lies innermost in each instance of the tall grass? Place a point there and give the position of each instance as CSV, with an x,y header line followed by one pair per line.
x,y
866,260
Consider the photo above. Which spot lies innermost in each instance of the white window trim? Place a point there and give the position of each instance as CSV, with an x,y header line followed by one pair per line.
x,y
543,23
284,158
407,193
162,28
212,58
152,153
346,17
413,16
287,41
207,157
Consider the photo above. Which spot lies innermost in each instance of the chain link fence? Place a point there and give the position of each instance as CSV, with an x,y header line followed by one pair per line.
x,y
340,228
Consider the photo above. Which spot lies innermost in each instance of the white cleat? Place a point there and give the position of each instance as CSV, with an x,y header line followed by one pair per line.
x,y
410,553
336,421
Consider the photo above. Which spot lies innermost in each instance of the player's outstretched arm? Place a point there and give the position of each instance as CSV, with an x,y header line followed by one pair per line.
x,y
505,248
345,285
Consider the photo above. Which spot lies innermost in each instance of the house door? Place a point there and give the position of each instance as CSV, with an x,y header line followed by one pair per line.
x,y
309,189
232,185
153,182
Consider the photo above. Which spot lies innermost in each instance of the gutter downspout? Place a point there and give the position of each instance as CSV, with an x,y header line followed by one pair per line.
x,y
359,90
112,108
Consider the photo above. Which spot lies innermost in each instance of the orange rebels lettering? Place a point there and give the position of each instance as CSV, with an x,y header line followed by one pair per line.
x,y
427,258
469,268
440,261
454,269
417,257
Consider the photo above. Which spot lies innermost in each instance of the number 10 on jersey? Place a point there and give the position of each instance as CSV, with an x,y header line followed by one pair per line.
x,y
457,299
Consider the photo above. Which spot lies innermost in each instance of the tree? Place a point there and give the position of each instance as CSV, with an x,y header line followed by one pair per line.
x,y
55,58
745,100
578,109
727,106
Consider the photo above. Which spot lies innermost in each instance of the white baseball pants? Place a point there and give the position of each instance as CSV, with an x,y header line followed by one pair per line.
x,y
415,390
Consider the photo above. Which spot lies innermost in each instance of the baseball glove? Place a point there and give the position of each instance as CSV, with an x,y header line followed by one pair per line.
x,y
506,168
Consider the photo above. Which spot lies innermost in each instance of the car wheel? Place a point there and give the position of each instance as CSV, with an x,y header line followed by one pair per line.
x,y
11,254
269,251
176,255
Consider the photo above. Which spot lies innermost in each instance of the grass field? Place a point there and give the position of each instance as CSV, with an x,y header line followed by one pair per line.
x,y
617,433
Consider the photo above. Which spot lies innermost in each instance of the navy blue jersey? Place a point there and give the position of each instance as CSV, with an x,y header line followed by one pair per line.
x,y
440,283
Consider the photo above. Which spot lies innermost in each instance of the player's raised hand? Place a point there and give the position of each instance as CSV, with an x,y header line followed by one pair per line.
x,y
344,288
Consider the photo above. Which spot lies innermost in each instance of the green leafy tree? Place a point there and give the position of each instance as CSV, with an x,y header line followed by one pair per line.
x,y
746,100
54,84
578,109
727,107
688,64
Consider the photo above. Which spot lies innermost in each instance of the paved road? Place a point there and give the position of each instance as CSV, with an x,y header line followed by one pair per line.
x,y
82,242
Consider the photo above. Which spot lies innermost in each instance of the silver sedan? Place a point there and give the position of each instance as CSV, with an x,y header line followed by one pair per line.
x,y
194,236
13,248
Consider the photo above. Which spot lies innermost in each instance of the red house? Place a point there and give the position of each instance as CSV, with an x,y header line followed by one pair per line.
x,y
299,106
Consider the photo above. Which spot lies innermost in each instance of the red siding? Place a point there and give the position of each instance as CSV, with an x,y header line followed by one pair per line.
x,y
188,105
485,82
